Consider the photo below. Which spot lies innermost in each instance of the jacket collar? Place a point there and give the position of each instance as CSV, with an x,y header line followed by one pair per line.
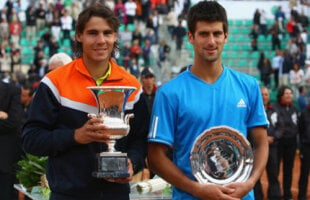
x,y
114,76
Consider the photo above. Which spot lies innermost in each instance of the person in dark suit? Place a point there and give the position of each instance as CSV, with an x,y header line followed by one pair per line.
x,y
10,143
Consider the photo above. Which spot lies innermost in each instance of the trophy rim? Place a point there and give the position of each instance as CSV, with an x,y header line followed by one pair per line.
x,y
242,154
112,87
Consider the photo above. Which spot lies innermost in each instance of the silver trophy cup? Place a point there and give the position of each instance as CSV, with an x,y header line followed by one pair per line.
x,y
221,155
111,102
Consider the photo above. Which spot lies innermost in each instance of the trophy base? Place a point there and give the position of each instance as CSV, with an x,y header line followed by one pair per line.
x,y
111,165
110,174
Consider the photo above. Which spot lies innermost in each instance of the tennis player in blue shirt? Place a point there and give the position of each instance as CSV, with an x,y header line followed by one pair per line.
x,y
206,95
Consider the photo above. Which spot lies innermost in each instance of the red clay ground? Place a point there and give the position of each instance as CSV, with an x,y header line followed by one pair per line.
x,y
296,171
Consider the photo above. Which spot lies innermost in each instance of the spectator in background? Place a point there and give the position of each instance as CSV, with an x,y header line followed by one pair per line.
x,y
288,131
59,6
53,46
301,57
149,35
146,8
58,60
74,11
51,13
10,144
287,65
291,46
15,31
149,87
149,22
40,17
125,55
134,68
157,21
272,167
292,27
27,92
256,17
296,77
254,35
37,58
275,36
304,21
149,90
300,41
130,10
277,63
15,59
137,35
263,23
66,24
304,131
43,68
178,35
56,26
9,9
136,51
146,53
280,17
30,23
120,12
4,30
266,72
307,72
303,98
125,36
171,19
163,52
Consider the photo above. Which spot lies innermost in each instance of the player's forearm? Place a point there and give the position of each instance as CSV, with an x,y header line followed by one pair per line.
x,y
163,167
261,149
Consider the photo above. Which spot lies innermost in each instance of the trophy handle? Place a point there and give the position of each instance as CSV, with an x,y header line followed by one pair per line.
x,y
128,117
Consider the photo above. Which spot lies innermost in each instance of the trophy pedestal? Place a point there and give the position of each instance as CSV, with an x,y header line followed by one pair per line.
x,y
111,165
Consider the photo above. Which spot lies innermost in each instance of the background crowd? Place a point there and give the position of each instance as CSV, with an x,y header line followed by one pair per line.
x,y
151,41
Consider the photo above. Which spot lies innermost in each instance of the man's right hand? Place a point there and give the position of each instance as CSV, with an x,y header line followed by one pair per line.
x,y
3,115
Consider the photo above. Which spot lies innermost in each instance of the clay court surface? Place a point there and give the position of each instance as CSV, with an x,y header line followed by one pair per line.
x,y
296,171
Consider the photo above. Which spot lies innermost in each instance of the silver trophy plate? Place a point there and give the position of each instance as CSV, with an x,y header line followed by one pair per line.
x,y
221,155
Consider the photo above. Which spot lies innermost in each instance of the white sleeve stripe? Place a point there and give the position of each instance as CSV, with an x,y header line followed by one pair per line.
x,y
152,133
78,106
50,84
67,102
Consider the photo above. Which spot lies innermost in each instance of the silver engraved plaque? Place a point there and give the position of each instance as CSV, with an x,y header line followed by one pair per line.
x,y
221,155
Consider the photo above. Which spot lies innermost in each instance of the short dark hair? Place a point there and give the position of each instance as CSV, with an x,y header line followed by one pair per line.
x,y
208,11
98,10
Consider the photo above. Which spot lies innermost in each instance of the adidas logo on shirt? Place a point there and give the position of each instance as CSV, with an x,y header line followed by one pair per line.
x,y
241,104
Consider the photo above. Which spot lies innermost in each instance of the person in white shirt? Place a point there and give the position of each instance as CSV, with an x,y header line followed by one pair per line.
x,y
130,9
296,78
277,63
307,73
66,24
